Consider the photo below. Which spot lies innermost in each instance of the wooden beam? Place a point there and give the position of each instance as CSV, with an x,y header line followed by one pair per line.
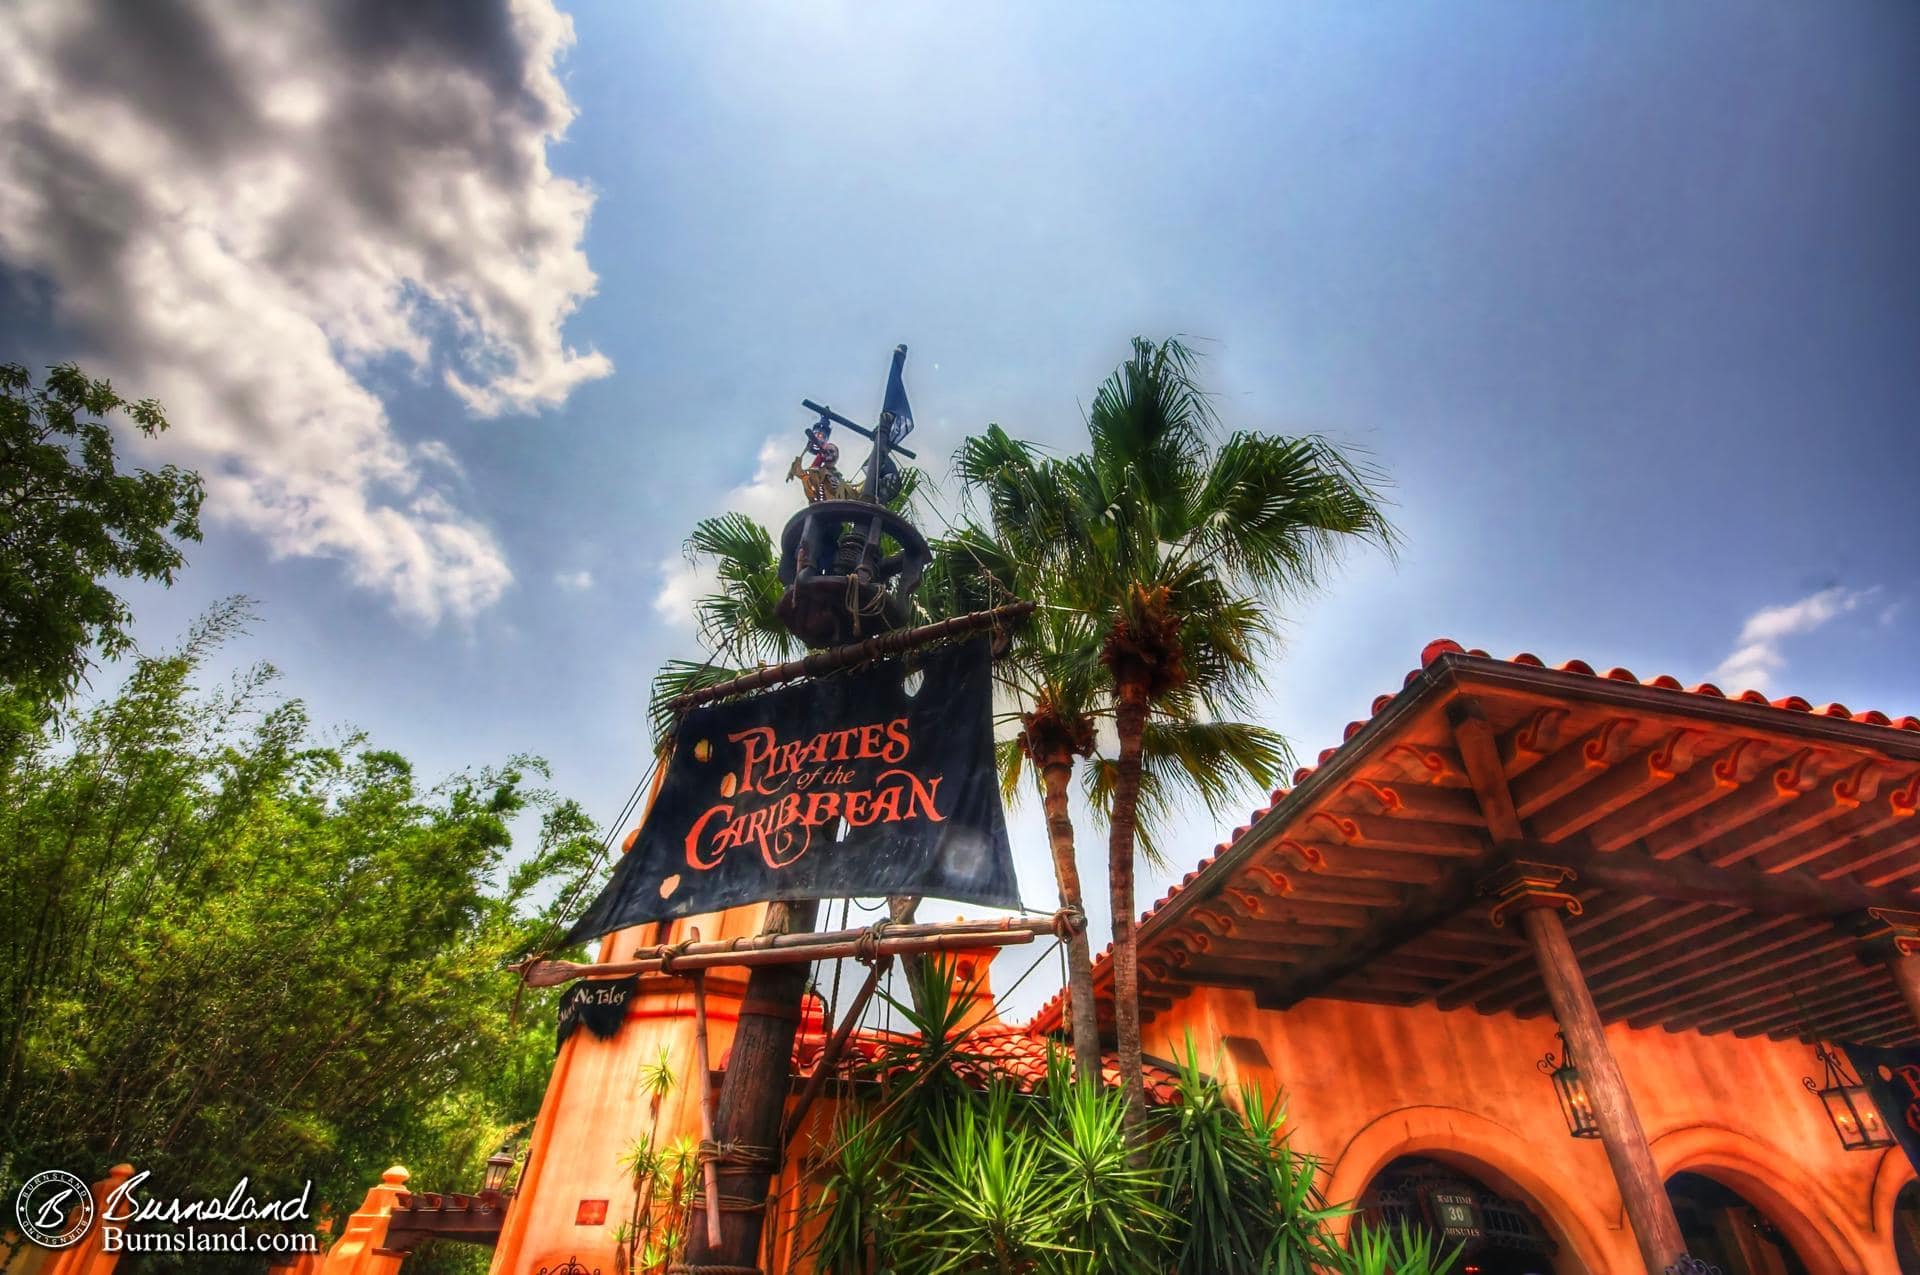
x,y
1699,786
1838,799
1421,912
1573,767
1293,910
1412,801
1480,754
1533,740
1254,937
1772,960
1854,831
1775,787
1322,887
1624,783
1797,989
1363,864
1765,893
1867,851
1873,1006
1517,972
1378,832
1676,944
1780,1006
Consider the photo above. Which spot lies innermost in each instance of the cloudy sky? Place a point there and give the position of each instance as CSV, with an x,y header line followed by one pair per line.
x,y
468,311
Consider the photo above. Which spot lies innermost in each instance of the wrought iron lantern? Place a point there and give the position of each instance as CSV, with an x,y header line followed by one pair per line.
x,y
1848,1105
499,1165
1571,1090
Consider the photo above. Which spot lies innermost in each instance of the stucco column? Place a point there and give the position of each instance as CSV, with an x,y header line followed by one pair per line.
x,y
1534,892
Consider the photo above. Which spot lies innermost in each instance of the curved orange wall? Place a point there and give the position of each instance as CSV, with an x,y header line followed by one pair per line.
x,y
1366,1083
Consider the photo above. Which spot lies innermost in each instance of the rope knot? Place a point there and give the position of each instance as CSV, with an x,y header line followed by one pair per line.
x,y
866,948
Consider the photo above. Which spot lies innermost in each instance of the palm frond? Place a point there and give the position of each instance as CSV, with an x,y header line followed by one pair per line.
x,y
676,678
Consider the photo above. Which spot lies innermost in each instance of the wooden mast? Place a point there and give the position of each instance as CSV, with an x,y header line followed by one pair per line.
x,y
745,1151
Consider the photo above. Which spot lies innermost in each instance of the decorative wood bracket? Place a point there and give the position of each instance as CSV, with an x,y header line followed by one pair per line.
x,y
1890,932
1522,885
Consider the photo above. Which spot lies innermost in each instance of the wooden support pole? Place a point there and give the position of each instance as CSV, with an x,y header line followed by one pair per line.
x,y
709,1174
902,909
839,657
802,949
1533,890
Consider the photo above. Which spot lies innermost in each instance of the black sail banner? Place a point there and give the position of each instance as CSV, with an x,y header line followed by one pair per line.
x,y
599,1003
863,784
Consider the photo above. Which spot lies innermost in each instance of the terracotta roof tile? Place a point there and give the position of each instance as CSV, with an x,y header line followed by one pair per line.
x,y
1433,651
1012,1053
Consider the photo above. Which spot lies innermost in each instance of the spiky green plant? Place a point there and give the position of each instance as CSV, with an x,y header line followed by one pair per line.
x,y
1397,1250
981,1197
1113,1221
1250,1203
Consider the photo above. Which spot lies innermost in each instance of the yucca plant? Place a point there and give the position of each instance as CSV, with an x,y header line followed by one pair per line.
x,y
981,1197
1397,1250
1249,1203
857,1196
1113,1221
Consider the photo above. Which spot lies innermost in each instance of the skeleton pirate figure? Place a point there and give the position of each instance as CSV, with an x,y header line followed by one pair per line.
x,y
851,564
821,479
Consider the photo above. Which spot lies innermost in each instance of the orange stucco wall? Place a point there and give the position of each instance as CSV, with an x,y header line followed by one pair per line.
x,y
596,1108
1365,1084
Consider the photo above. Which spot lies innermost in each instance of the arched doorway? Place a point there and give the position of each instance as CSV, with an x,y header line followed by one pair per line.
x,y
1720,1226
1498,1235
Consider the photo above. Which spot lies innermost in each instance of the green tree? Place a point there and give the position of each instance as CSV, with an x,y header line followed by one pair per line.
x,y
233,947
1060,687
70,521
1181,549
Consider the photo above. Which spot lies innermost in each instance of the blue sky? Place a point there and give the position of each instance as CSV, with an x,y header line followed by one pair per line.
x,y
1626,300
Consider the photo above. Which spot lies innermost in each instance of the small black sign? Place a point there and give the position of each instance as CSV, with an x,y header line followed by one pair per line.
x,y
1455,1215
599,1003
861,784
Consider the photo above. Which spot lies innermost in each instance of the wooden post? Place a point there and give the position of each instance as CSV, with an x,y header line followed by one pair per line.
x,y
753,1099
710,1177
1533,890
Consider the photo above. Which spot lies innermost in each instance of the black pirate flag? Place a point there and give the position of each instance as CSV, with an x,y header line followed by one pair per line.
x,y
871,783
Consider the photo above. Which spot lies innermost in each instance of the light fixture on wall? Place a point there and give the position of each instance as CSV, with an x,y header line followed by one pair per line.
x,y
1571,1090
1848,1105
499,1165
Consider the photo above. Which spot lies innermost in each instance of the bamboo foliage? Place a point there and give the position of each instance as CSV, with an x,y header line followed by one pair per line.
x,y
236,948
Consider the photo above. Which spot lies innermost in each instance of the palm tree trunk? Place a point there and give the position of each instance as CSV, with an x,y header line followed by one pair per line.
x,y
1130,717
1054,772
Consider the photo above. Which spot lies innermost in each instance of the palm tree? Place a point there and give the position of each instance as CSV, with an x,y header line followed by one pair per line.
x,y
1180,551
1055,674
737,622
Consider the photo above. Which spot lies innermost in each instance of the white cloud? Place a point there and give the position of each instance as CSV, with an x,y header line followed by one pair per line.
x,y
575,581
243,209
768,498
1757,654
